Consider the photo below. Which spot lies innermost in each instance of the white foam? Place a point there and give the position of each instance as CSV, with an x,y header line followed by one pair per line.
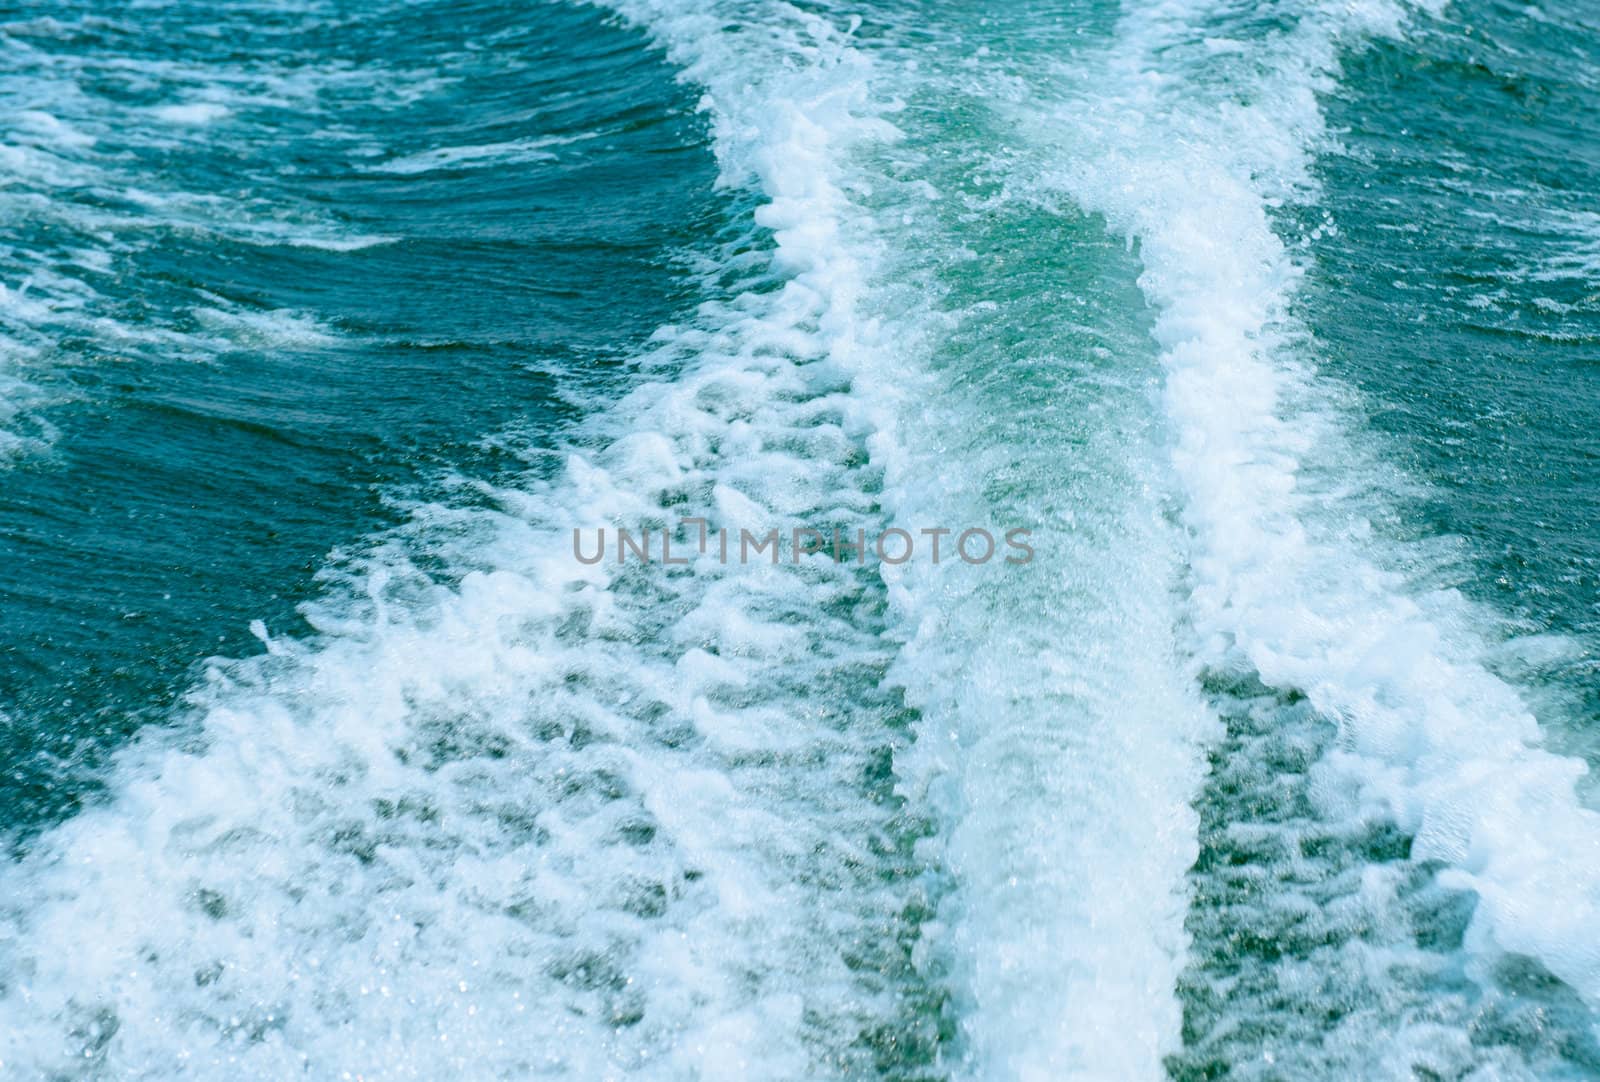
x,y
48,129
542,818
557,819
194,113
299,889
1059,739
22,431
277,327
513,152
1429,735
1579,257
1058,746
549,819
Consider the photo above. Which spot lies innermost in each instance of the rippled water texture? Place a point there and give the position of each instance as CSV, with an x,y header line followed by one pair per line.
x,y
325,323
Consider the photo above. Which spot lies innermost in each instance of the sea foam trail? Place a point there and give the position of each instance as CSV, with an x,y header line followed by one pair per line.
x,y
1185,139
1059,739
1056,749
530,817
540,818
1056,743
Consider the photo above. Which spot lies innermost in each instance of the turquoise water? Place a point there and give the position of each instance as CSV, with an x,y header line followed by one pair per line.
x,y
278,337
324,324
